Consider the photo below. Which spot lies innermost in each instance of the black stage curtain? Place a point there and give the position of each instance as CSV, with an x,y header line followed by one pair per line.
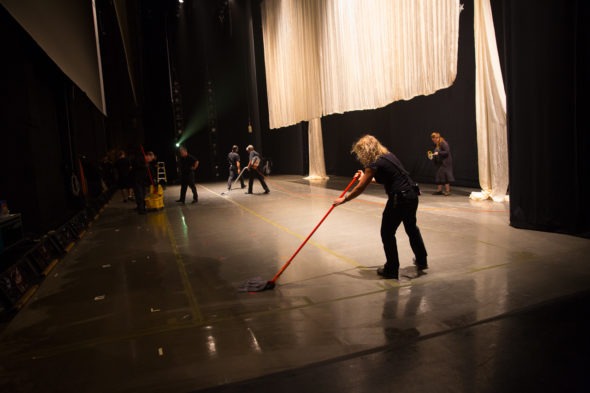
x,y
547,45
48,127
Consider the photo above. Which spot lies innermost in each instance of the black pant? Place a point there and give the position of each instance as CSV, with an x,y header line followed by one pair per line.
x,y
253,173
188,181
233,174
139,191
400,209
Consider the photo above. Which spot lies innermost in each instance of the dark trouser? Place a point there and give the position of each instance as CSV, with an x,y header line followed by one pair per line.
x,y
397,210
188,181
139,191
255,174
233,174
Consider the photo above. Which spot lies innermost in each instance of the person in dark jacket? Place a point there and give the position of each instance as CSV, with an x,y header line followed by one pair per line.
x,y
402,202
188,164
444,164
123,171
140,177
233,159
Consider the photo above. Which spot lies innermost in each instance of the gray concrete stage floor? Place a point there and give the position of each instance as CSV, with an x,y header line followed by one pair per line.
x,y
150,303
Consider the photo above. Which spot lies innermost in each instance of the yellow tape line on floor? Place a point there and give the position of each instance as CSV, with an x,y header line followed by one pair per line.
x,y
188,288
346,259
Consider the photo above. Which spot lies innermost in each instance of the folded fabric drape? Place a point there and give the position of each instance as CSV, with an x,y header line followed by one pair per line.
x,y
317,165
490,100
334,56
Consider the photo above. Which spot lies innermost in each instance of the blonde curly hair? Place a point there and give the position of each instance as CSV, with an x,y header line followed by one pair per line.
x,y
437,134
367,149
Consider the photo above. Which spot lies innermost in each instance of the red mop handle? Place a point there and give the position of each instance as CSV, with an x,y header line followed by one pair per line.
x,y
275,278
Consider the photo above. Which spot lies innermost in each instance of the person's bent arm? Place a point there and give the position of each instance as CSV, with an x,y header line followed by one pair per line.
x,y
366,178
444,150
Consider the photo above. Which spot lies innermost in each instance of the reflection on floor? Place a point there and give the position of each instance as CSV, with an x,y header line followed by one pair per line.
x,y
151,303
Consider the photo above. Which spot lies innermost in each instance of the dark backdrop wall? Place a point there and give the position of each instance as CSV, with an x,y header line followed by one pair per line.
x,y
49,128
35,161
158,122
547,50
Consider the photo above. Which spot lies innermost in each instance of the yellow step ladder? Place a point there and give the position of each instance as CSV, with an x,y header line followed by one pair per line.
x,y
161,174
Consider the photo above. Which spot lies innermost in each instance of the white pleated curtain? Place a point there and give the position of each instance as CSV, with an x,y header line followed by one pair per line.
x,y
334,56
490,100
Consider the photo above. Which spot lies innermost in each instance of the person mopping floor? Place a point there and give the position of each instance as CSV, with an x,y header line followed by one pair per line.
x,y
402,203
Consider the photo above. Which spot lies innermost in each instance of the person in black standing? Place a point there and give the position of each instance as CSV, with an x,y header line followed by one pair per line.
x,y
234,167
153,167
122,170
402,202
140,178
253,171
444,164
188,164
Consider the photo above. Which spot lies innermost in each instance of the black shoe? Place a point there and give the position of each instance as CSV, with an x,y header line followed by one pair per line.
x,y
180,201
266,191
420,266
381,271
437,193
195,201
243,186
248,192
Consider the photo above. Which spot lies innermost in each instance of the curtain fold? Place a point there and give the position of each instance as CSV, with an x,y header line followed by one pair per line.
x,y
492,144
317,166
291,60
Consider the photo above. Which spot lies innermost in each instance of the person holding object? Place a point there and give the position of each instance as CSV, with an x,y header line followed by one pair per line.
x,y
253,171
234,167
441,156
385,168
188,164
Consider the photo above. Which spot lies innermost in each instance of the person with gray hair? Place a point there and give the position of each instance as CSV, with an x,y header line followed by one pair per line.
x,y
253,172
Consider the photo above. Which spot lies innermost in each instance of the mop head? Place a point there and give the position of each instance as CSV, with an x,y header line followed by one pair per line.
x,y
256,284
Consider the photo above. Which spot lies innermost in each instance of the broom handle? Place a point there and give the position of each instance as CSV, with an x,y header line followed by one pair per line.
x,y
275,278
237,178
